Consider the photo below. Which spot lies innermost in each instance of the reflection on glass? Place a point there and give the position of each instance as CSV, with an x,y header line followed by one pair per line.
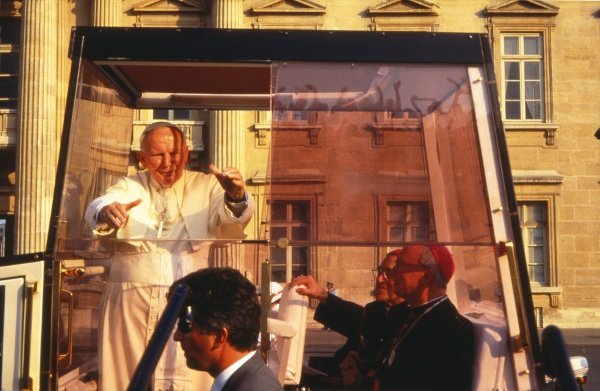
x,y
400,131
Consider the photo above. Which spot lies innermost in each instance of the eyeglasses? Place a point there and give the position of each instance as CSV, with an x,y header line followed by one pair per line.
x,y
386,273
186,320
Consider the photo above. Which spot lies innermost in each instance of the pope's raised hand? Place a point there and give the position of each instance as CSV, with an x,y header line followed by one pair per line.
x,y
231,181
116,214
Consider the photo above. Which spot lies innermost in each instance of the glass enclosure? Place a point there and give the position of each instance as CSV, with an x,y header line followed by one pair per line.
x,y
363,158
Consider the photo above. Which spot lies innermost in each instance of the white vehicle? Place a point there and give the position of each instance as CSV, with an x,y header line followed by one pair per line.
x,y
404,119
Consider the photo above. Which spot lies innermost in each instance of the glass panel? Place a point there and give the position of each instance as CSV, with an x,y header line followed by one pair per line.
x,y
398,234
352,148
538,212
538,274
532,45
533,70
9,63
8,87
533,110
397,212
181,114
532,90
539,253
513,110
10,31
353,135
536,236
511,45
421,234
160,113
99,153
279,232
513,90
300,211
511,70
300,233
279,211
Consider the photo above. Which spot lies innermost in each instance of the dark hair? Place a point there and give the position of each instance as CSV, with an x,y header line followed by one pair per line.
x,y
224,298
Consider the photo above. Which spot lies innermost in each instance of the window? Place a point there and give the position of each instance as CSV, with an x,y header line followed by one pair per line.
x,y
9,61
534,227
291,220
523,76
172,114
407,221
285,115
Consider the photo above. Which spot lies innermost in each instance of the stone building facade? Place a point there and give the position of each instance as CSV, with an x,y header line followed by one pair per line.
x,y
546,60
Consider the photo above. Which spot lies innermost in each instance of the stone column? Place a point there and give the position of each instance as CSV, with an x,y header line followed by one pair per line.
x,y
227,14
37,148
226,145
107,13
63,64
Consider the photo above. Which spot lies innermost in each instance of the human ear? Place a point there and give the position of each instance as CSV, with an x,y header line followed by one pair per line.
x,y
221,337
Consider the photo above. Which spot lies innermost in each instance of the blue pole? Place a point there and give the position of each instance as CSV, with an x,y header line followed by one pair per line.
x,y
141,377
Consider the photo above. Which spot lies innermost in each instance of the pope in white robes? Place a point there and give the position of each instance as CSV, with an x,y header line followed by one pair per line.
x,y
156,210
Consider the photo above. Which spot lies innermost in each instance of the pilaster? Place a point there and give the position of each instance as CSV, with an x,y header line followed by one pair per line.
x,y
227,14
107,13
37,148
227,127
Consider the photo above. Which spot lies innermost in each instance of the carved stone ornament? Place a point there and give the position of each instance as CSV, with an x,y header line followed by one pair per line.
x,y
16,7
404,7
289,6
521,7
178,6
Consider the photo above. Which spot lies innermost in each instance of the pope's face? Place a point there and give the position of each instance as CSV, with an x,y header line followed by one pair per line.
x,y
164,153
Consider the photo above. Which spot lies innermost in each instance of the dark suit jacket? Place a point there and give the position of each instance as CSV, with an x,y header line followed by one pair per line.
x,y
367,328
254,375
437,354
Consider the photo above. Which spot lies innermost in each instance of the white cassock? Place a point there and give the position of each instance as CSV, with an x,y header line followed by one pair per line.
x,y
142,271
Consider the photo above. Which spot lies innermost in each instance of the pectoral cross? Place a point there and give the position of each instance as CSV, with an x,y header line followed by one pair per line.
x,y
161,224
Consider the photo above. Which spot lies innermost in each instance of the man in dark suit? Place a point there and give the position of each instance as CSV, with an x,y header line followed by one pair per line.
x,y
434,349
367,328
218,330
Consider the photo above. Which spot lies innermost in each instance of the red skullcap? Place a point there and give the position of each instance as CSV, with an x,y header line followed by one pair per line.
x,y
395,252
444,260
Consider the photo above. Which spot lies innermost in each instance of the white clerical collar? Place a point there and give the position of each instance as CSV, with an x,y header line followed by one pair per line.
x,y
222,378
178,185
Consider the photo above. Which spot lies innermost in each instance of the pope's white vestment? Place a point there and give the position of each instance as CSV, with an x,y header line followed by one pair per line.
x,y
143,268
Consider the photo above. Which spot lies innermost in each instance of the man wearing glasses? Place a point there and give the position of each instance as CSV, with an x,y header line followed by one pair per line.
x,y
218,330
367,328
434,349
